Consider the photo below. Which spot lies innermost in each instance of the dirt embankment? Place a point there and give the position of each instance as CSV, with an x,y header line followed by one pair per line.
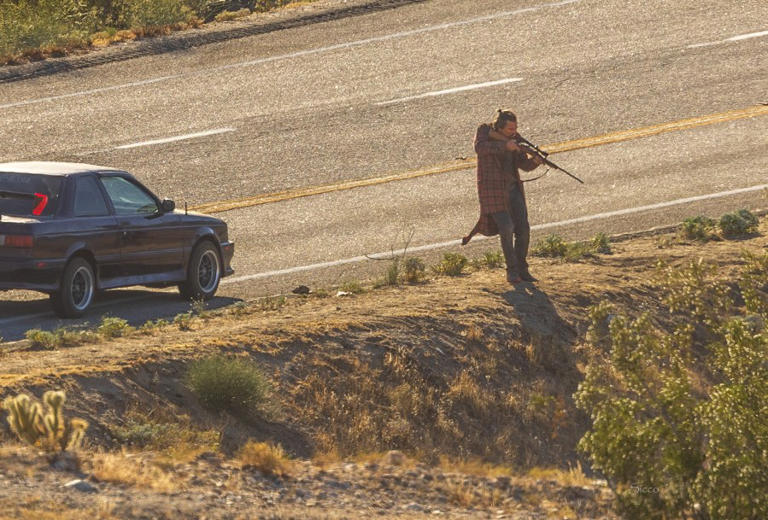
x,y
454,369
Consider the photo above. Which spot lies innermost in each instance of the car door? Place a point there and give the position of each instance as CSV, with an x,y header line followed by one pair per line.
x,y
97,227
151,240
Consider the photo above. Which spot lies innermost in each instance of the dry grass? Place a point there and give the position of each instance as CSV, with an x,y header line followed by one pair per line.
x,y
573,476
475,467
123,468
270,459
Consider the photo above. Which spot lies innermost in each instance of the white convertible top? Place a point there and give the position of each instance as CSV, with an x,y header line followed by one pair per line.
x,y
51,168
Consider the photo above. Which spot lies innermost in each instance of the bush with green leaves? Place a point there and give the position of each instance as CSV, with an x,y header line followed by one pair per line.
x,y
114,327
44,426
38,24
698,228
228,383
554,246
414,269
738,223
61,337
452,264
679,422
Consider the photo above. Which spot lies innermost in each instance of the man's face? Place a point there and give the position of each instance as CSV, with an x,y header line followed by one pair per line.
x,y
509,129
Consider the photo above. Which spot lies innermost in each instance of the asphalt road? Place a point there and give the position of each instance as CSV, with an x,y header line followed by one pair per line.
x,y
365,96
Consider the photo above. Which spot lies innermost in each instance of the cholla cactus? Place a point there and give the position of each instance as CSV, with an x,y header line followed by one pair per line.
x,y
49,431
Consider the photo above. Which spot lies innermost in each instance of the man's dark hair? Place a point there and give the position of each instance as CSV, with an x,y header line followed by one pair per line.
x,y
502,118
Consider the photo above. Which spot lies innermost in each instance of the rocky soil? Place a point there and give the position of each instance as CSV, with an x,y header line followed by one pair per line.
x,y
485,428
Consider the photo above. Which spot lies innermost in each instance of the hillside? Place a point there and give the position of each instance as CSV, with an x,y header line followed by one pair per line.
x,y
468,378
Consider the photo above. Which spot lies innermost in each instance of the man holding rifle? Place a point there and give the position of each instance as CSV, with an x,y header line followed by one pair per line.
x,y
503,210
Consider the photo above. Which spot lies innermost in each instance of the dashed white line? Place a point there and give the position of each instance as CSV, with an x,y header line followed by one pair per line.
x,y
318,50
89,92
176,138
737,38
453,243
451,90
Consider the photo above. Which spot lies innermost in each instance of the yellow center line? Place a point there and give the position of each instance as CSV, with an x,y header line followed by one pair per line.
x,y
464,164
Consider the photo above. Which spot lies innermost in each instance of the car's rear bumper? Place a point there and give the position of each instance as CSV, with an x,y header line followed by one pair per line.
x,y
227,252
30,273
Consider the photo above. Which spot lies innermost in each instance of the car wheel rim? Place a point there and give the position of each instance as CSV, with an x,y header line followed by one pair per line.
x,y
82,288
208,271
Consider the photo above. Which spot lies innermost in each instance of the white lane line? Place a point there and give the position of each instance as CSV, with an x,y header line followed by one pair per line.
x,y
89,92
738,38
318,50
451,90
452,243
176,138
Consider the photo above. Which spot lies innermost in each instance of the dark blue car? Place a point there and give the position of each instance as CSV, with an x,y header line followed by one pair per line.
x,y
72,229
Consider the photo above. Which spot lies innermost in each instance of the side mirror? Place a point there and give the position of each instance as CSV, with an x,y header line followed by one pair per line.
x,y
167,205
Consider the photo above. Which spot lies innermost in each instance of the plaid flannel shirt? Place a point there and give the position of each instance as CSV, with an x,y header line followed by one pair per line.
x,y
497,173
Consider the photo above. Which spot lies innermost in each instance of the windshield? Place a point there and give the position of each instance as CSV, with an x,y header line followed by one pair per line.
x,y
28,195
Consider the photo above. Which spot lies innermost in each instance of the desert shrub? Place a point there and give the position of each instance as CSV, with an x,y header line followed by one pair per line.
x,y
490,259
352,286
61,337
678,418
37,24
143,14
164,432
601,244
551,246
452,264
228,383
392,274
698,228
414,270
184,320
44,426
113,327
554,246
270,459
738,223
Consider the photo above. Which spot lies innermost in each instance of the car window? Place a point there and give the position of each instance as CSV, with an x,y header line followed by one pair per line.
x,y
89,201
29,195
128,198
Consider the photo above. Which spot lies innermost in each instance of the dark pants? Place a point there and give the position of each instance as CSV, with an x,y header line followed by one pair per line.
x,y
515,232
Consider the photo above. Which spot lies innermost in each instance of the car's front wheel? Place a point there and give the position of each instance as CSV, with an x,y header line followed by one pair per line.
x,y
203,273
75,294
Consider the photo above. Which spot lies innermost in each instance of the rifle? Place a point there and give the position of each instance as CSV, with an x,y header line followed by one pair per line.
x,y
541,154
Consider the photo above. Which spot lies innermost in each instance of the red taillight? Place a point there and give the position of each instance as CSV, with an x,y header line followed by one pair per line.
x,y
42,202
25,241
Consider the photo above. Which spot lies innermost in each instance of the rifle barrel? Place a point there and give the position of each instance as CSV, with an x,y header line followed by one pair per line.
x,y
532,148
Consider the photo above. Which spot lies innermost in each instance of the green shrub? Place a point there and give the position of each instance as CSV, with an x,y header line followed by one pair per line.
x,y
37,24
601,244
61,337
679,427
738,223
490,259
157,13
184,320
452,264
140,430
228,383
113,327
698,228
352,286
552,246
414,270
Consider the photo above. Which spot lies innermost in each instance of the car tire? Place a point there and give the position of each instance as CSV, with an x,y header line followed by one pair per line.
x,y
77,289
203,273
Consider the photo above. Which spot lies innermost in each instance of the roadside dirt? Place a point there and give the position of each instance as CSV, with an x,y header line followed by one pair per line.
x,y
469,377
